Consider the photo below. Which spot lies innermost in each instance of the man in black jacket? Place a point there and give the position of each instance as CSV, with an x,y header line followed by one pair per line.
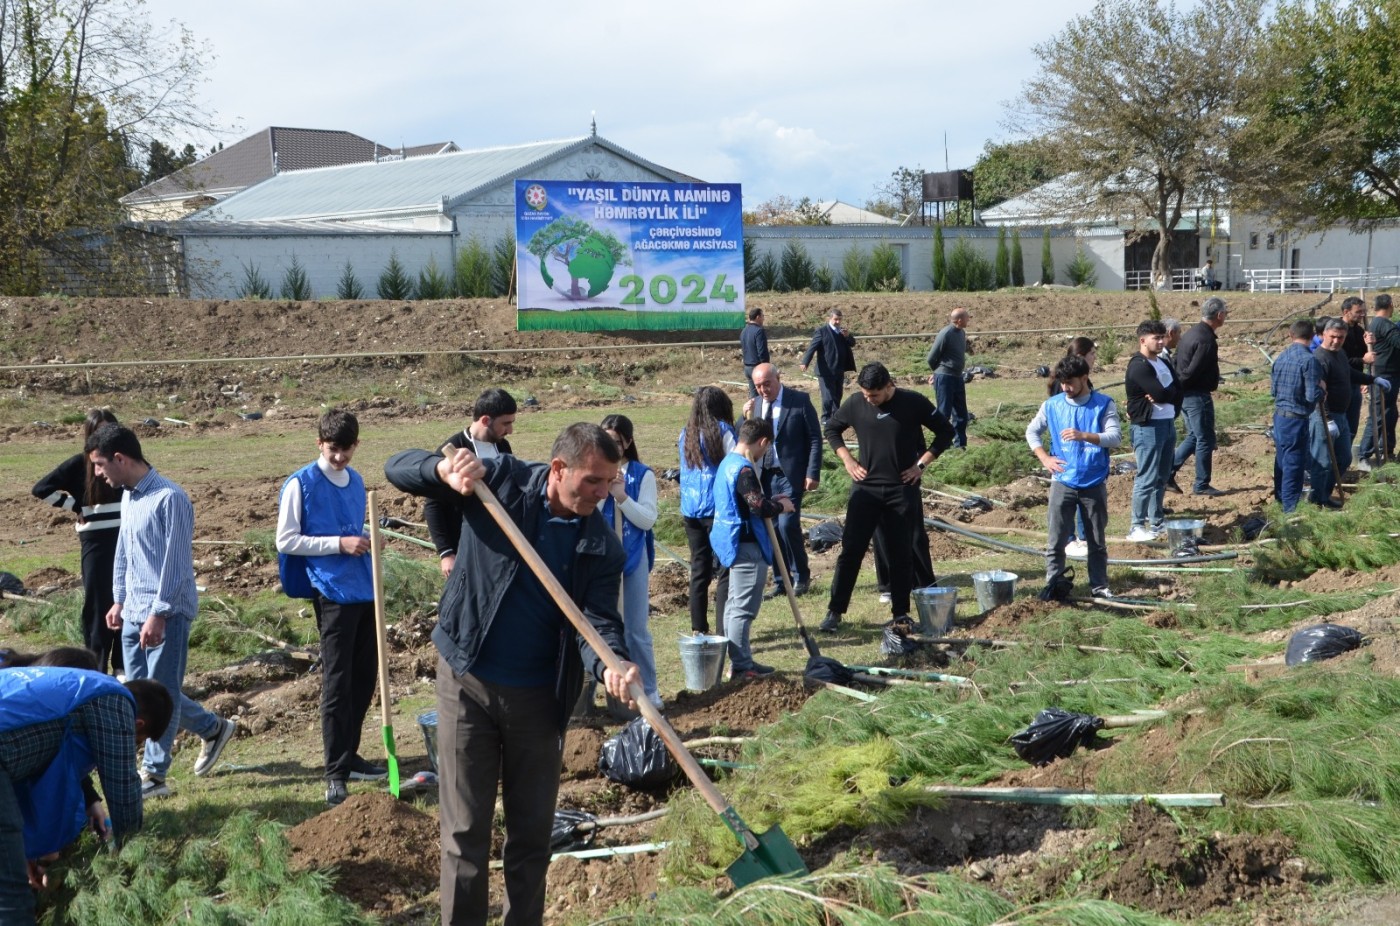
x,y
1154,395
511,666
1339,378
1357,348
493,418
1385,344
795,462
889,423
753,341
833,347
1198,366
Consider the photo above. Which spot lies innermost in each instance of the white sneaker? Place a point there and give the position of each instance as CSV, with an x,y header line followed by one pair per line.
x,y
885,598
1077,548
213,747
1141,535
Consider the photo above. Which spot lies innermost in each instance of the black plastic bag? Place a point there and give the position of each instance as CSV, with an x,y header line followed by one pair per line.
x,y
895,640
1321,641
1055,734
1062,589
824,535
671,475
11,585
566,836
826,669
1251,528
637,757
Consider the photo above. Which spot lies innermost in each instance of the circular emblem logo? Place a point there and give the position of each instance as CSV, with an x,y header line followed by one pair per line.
x,y
535,197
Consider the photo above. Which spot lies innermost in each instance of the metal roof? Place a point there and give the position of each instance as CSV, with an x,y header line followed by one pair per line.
x,y
400,187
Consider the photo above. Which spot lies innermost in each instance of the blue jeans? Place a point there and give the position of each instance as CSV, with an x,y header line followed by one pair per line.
x,y
1323,482
1152,445
950,394
636,608
1199,410
1291,457
1369,445
166,664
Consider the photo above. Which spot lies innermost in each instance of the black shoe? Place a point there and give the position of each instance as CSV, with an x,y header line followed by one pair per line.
x,y
364,770
774,592
1329,503
1172,486
1209,492
336,793
833,621
799,589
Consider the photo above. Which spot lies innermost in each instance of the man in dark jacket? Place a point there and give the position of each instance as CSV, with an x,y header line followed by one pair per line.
x,y
1154,395
1357,348
753,341
493,419
1338,377
833,347
1385,345
794,463
511,665
1198,366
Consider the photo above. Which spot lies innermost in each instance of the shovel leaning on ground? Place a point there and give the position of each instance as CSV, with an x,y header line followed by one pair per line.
x,y
807,641
381,630
765,854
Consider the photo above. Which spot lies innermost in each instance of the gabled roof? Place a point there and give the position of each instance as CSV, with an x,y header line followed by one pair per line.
x,y
841,213
411,186
263,154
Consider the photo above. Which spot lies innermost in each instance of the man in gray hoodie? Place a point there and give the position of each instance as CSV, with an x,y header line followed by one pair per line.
x,y
946,358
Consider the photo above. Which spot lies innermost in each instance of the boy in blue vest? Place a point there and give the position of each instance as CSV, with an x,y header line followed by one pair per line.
x,y
1083,426
59,725
323,554
740,539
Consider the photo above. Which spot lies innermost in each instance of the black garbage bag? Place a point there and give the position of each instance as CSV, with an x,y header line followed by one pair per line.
x,y
566,836
824,535
637,757
896,639
1055,734
1253,527
826,669
671,475
975,503
1321,641
10,584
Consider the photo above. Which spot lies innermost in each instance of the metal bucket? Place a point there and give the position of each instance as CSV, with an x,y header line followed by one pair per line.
x,y
1184,529
702,657
428,724
994,588
936,606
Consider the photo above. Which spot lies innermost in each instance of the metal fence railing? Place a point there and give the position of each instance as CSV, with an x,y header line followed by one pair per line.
x,y
1183,279
1320,279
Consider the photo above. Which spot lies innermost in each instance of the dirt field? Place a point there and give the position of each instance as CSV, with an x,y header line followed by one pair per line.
x,y
385,851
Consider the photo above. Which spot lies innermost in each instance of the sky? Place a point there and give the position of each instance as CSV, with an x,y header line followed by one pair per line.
x,y
821,98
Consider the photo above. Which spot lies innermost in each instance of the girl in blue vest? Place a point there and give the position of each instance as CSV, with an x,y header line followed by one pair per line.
x,y
632,503
705,439
1083,426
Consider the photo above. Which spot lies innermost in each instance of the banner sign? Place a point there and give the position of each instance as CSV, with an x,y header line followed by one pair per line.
x,y
598,256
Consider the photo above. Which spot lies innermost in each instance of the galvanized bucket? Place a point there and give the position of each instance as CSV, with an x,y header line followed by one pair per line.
x,y
994,588
936,606
702,658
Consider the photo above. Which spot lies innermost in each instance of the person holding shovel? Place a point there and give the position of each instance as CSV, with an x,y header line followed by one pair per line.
x,y
322,555
511,665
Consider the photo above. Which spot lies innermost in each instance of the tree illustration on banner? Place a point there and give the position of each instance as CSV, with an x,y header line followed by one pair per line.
x,y
586,253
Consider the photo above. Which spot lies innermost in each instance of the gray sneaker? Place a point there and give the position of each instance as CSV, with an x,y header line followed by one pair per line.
x,y
213,748
152,788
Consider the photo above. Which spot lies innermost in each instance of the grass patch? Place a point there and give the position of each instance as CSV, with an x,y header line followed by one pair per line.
x,y
995,463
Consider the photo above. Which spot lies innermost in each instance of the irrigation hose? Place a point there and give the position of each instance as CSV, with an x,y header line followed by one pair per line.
x,y
1017,548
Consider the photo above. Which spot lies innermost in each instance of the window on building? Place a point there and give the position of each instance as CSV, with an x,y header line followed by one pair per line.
x,y
1269,242
1254,241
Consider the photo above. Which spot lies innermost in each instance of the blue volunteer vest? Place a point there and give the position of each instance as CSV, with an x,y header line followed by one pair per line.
x,y
328,511
52,803
634,539
697,493
724,534
1086,464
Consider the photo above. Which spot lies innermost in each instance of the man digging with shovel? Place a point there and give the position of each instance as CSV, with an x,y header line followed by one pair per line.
x,y
511,665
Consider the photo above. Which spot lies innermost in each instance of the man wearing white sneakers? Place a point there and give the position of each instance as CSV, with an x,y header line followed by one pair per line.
x,y
1154,396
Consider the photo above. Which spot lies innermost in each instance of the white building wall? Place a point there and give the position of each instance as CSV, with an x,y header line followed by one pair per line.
x,y
215,265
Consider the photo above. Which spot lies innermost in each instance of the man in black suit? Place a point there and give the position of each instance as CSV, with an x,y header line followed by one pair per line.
x,y
753,340
833,346
794,460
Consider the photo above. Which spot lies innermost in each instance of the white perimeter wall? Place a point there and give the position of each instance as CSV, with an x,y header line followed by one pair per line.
x,y
1337,248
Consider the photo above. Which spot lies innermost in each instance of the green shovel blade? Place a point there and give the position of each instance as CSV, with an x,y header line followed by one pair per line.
x,y
775,856
393,760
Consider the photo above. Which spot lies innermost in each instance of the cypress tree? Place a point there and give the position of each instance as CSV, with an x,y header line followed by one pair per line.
x,y
1002,272
1047,260
940,260
1018,263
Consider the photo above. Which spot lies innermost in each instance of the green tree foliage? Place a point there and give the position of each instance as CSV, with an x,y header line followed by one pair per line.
x,y
783,210
83,84
503,271
471,276
584,252
968,271
901,195
394,281
1003,171
162,160
1018,261
1001,273
767,276
295,284
1319,141
432,282
855,270
1047,259
1133,108
797,269
824,278
1080,270
940,259
348,286
255,285
886,271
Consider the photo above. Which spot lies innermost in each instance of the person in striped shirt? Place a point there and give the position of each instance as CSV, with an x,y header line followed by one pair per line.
x,y
156,601
74,487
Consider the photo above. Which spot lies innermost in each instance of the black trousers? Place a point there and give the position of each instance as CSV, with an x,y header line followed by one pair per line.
x,y
894,511
349,672
831,390
704,569
98,556
921,563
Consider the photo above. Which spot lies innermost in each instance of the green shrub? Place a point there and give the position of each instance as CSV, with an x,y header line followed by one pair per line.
x,y
1001,273
886,271
254,285
472,271
1081,270
940,259
295,285
766,275
394,282
824,278
968,271
1018,262
796,267
503,271
750,250
348,286
855,270
1107,346
432,282
1047,259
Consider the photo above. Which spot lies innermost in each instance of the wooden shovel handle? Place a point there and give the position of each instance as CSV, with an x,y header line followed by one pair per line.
x,y
785,575
687,762
376,560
